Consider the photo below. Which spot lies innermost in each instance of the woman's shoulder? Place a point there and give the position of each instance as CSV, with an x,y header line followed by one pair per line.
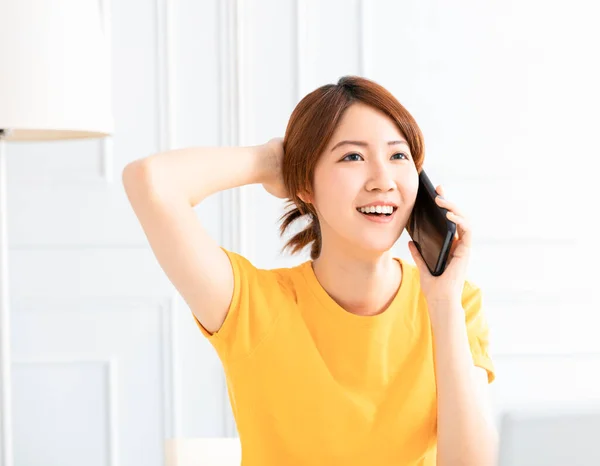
x,y
286,276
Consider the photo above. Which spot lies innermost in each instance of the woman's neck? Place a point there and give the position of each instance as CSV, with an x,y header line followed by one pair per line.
x,y
362,285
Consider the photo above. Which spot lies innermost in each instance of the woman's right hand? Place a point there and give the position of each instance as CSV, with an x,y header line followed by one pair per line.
x,y
273,183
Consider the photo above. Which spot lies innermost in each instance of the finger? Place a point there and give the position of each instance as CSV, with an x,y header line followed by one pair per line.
x,y
416,255
463,228
453,247
448,205
440,190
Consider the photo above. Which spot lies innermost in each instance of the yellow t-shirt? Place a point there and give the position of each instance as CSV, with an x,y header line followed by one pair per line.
x,y
312,384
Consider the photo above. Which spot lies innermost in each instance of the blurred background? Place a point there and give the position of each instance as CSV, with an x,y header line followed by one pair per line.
x,y
106,359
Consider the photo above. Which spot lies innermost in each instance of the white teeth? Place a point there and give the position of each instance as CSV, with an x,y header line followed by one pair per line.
x,y
387,209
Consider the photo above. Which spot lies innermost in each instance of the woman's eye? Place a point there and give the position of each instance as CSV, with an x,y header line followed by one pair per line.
x,y
354,157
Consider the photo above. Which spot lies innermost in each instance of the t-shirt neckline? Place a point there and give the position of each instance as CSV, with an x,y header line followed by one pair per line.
x,y
337,311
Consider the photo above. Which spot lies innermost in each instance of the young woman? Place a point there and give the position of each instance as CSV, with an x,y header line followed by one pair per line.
x,y
355,357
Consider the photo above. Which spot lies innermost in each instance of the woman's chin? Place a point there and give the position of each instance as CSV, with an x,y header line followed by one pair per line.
x,y
366,239
375,246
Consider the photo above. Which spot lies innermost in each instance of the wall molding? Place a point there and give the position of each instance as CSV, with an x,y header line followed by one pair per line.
x,y
165,43
165,74
301,52
171,401
110,367
305,47
107,159
236,233
364,38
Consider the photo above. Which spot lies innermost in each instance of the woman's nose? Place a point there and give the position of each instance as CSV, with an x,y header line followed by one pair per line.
x,y
380,180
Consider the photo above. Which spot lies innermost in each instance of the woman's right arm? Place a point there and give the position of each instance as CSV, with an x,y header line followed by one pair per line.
x,y
163,189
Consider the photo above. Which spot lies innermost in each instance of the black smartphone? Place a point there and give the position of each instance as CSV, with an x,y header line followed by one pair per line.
x,y
429,228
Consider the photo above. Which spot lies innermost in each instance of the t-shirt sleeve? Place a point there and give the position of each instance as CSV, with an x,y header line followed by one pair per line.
x,y
255,306
477,329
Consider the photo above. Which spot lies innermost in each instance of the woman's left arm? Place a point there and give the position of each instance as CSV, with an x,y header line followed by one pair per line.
x,y
466,431
465,428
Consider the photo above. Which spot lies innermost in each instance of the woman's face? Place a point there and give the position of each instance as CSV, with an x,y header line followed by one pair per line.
x,y
374,168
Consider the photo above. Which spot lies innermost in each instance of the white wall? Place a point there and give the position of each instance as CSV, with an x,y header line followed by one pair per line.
x,y
506,94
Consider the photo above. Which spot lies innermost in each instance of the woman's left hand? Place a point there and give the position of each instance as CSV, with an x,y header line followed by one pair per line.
x,y
447,288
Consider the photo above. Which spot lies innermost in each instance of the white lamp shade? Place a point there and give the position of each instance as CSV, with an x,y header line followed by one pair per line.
x,y
54,70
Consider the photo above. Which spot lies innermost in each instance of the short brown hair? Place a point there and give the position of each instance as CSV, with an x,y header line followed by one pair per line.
x,y
308,133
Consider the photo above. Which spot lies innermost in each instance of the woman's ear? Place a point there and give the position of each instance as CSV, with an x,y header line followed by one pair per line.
x,y
305,197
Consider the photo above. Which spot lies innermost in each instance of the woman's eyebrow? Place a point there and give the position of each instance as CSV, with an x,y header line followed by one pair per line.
x,y
365,144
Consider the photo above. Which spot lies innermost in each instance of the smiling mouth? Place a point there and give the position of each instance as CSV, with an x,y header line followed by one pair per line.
x,y
375,214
